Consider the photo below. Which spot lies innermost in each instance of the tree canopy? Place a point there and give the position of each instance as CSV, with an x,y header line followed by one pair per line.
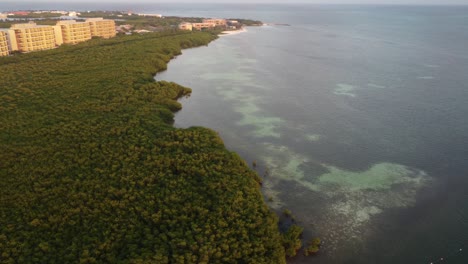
x,y
92,170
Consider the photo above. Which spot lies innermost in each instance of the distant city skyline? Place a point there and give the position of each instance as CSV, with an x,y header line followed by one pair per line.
x,y
399,2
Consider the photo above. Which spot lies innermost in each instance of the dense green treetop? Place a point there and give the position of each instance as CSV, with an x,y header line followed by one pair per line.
x,y
92,170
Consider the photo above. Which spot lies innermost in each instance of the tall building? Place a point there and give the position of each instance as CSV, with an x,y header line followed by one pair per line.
x,y
11,39
31,37
185,26
101,27
216,21
72,32
200,26
4,50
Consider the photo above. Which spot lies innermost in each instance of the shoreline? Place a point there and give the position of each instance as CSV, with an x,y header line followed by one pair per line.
x,y
138,122
232,32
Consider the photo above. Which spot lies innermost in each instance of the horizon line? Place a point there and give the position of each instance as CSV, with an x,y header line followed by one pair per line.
x,y
241,3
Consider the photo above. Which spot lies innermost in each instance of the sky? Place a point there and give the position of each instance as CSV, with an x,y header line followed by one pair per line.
x,y
424,2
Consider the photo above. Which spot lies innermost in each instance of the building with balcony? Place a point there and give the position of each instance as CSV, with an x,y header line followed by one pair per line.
x,y
200,26
72,32
31,37
4,49
185,26
101,27
11,39
217,21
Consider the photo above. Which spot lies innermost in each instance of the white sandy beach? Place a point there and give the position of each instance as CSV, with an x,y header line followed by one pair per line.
x,y
233,32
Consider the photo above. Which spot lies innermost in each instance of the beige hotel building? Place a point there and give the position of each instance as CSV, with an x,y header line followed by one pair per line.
x,y
31,37
216,21
200,26
4,50
185,26
72,32
101,27
207,23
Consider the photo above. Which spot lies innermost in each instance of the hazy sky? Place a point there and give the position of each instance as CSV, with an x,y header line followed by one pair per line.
x,y
464,2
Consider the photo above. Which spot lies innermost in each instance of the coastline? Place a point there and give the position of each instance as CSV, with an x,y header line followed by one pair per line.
x,y
233,32
137,124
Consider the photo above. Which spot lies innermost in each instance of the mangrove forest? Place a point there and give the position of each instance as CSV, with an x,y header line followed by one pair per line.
x,y
93,171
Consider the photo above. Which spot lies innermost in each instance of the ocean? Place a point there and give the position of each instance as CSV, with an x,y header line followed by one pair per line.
x,y
355,115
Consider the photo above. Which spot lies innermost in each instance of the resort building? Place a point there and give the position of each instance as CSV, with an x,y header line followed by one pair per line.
x,y
186,26
200,26
72,32
216,21
11,39
31,37
4,50
101,27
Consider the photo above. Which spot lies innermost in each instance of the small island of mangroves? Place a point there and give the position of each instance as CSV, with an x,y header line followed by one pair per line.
x,y
93,171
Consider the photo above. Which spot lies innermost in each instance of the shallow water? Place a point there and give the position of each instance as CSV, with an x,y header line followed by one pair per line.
x,y
356,117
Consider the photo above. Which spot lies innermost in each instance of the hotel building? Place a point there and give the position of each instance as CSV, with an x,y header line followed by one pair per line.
x,y
200,26
4,50
31,37
101,27
72,32
216,21
186,26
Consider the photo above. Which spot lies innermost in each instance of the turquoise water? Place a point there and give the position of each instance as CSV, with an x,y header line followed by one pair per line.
x,y
358,115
